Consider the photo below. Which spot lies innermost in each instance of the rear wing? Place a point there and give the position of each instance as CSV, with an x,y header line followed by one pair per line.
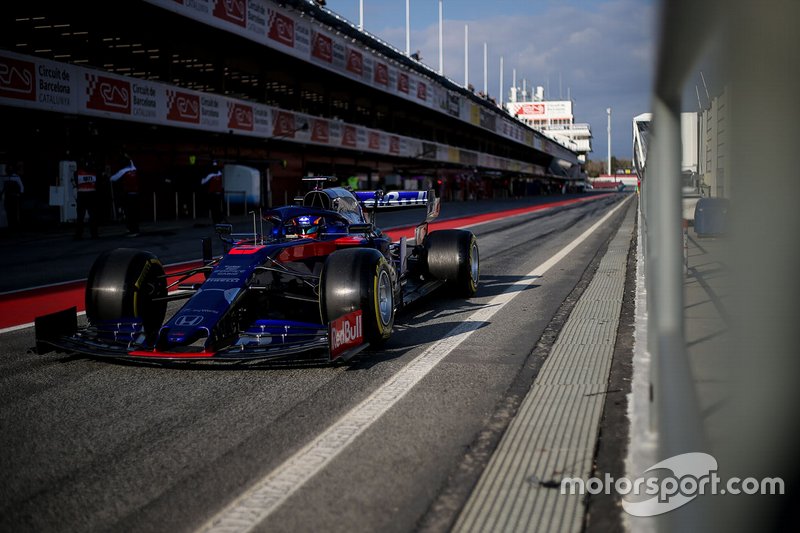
x,y
392,200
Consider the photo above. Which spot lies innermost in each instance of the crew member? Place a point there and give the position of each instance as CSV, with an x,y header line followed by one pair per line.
x,y
215,192
86,184
130,188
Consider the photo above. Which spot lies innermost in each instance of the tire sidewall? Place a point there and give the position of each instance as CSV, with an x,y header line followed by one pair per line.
x,y
351,280
121,286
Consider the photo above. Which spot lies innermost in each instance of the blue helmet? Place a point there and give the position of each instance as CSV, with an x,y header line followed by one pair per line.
x,y
305,225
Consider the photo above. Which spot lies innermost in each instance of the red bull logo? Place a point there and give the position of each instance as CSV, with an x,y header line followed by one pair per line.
x,y
345,332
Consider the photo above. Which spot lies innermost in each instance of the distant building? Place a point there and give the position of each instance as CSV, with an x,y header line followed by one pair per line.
x,y
553,118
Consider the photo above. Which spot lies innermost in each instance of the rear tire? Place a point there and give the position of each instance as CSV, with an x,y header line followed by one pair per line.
x,y
121,287
452,256
359,278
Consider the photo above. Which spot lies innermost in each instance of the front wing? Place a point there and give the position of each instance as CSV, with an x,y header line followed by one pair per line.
x,y
266,340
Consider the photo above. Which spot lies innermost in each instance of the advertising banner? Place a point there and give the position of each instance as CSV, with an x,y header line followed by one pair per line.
x,y
37,83
48,85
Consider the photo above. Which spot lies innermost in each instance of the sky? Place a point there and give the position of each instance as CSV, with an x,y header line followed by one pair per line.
x,y
599,52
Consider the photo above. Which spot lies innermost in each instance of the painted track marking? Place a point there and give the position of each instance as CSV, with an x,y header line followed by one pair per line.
x,y
251,508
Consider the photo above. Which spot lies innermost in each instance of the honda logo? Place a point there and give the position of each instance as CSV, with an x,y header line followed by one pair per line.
x,y
188,320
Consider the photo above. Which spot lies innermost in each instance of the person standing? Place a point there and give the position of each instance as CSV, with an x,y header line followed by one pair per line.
x,y
12,194
215,192
86,184
130,189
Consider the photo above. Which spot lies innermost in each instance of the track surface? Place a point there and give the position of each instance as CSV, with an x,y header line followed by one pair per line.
x,y
93,445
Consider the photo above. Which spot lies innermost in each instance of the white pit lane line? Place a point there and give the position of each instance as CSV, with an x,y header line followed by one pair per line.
x,y
266,495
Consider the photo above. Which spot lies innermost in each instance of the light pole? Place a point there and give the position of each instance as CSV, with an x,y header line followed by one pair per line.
x,y
361,15
466,56
608,110
408,29
500,96
485,70
441,53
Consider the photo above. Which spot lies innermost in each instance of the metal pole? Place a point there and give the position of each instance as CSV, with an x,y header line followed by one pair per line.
x,y
408,29
608,110
441,53
466,56
485,70
360,14
177,207
500,99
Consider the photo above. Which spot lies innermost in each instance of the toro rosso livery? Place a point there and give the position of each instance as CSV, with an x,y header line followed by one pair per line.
x,y
317,277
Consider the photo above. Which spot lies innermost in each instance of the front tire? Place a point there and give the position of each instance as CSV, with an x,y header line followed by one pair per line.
x,y
123,285
452,256
359,278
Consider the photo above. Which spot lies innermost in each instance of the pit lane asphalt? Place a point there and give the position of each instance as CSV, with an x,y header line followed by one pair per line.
x,y
91,445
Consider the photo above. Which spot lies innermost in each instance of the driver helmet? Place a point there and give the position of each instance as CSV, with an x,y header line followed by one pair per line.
x,y
306,225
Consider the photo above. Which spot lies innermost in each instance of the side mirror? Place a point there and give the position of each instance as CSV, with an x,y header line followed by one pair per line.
x,y
223,230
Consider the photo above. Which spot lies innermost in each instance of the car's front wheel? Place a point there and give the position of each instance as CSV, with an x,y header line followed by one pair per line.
x,y
354,279
125,285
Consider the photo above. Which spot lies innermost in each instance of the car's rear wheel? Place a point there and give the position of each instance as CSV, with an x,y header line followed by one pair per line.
x,y
452,256
354,279
124,285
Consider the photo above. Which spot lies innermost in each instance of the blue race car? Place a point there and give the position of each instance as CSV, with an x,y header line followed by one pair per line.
x,y
313,278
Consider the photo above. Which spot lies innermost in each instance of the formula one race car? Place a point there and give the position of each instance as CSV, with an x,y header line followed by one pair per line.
x,y
316,277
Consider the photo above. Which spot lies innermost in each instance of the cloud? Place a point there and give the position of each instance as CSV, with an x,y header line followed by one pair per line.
x,y
602,53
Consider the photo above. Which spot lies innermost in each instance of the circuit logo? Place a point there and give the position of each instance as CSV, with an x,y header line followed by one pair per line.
x,y
231,11
240,116
349,136
355,62
320,131
374,140
322,47
108,94
381,74
281,28
394,145
402,83
283,125
422,91
183,107
17,79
